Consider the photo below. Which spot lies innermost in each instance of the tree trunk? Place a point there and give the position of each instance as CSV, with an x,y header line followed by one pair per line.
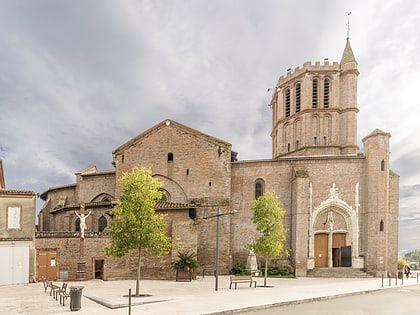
x,y
138,274
265,272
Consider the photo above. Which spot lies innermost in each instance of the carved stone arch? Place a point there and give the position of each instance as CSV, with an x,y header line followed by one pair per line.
x,y
174,189
342,220
339,218
102,197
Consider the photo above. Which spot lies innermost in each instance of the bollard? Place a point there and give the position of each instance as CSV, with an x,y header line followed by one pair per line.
x,y
382,281
389,281
396,280
129,301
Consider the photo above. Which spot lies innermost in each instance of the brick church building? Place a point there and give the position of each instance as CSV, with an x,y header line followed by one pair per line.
x,y
341,205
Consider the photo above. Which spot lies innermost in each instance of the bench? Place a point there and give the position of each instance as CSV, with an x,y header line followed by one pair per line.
x,y
54,289
48,285
242,279
63,293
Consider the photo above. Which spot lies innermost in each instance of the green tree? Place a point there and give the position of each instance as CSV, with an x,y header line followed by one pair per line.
x,y
136,225
268,216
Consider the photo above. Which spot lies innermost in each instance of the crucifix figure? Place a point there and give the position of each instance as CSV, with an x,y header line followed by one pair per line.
x,y
82,218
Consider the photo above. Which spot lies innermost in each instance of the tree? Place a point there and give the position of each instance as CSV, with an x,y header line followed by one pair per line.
x,y
268,217
136,225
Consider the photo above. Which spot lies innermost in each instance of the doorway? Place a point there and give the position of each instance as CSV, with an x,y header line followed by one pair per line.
x,y
321,250
99,269
47,265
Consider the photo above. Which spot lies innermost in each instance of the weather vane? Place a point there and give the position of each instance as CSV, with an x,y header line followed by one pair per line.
x,y
348,25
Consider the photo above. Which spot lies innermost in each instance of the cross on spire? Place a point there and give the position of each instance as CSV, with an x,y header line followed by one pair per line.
x,y
348,25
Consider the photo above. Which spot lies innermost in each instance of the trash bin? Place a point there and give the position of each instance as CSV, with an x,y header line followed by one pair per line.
x,y
76,298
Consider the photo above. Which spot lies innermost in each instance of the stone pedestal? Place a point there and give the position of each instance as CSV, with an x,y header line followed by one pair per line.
x,y
81,271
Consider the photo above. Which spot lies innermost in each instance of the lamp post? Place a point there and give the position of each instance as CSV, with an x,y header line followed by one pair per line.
x,y
217,216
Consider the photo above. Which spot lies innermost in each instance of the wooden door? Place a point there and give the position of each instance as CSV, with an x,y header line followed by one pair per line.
x,y
321,250
47,265
338,241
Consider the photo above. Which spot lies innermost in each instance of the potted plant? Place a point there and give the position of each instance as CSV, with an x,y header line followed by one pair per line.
x,y
184,265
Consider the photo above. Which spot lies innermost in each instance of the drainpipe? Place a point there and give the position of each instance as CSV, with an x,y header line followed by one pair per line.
x,y
292,170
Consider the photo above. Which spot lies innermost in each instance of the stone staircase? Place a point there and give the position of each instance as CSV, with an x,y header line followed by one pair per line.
x,y
338,272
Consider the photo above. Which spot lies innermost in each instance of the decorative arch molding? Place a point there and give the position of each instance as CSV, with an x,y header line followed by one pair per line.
x,y
335,205
175,190
102,197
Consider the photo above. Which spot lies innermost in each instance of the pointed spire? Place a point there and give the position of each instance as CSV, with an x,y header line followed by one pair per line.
x,y
348,55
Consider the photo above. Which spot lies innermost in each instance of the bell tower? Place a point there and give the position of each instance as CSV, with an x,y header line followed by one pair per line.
x,y
314,109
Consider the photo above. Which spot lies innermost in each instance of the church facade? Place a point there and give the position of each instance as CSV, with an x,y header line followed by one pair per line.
x,y
341,205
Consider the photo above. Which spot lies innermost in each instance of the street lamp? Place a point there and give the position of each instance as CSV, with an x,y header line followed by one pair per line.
x,y
217,216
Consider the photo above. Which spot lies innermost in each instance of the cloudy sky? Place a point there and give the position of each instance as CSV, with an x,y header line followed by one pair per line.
x,y
79,78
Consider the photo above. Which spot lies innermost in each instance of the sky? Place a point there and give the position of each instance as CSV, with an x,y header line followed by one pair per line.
x,y
79,78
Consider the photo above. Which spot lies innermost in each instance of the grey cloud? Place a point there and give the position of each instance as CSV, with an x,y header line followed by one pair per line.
x,y
79,78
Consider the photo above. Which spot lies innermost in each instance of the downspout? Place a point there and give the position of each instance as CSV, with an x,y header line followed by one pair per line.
x,y
292,170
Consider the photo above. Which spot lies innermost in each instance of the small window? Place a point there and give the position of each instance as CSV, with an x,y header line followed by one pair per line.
x,y
315,93
77,225
188,171
122,158
297,97
165,195
326,93
381,226
287,102
288,147
102,223
192,213
170,157
314,140
259,188
383,165
325,140
14,217
297,144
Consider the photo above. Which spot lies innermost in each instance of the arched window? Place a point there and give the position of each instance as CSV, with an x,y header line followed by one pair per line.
x,y
383,165
102,223
77,225
259,188
326,93
315,93
170,157
165,195
287,102
297,97
381,226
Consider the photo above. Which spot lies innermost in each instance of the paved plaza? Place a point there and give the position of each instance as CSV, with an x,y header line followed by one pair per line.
x,y
196,297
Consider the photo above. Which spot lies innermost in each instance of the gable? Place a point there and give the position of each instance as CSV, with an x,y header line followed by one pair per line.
x,y
168,123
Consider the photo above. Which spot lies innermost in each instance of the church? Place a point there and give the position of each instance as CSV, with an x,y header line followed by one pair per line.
x,y
341,202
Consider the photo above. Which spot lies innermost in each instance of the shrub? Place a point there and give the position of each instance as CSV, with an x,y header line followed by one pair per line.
x,y
238,269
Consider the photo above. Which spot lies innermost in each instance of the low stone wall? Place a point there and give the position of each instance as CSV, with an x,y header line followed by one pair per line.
x,y
67,248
